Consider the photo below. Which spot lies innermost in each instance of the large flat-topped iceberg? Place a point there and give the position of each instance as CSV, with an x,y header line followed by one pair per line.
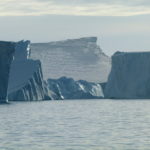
x,y
130,76
77,58
6,56
26,79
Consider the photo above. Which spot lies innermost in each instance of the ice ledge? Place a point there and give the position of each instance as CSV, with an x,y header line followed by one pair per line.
x,y
82,41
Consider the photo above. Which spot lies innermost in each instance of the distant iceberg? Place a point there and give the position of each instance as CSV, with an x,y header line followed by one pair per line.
x,y
67,88
80,59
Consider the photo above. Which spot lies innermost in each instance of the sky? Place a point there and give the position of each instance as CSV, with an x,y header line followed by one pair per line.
x,y
120,25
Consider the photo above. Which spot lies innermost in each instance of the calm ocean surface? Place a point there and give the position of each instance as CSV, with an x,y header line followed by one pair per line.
x,y
76,125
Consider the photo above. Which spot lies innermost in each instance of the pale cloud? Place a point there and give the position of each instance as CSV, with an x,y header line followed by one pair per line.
x,y
74,7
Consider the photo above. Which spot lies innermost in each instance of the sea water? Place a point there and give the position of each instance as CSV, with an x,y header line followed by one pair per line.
x,y
75,125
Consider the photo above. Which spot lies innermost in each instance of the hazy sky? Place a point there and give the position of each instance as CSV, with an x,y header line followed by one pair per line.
x,y
119,24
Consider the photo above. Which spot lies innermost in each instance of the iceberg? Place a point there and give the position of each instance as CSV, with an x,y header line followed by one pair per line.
x,y
80,59
130,76
68,88
7,50
26,79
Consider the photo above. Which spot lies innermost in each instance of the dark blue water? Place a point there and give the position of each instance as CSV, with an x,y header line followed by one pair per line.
x,y
76,125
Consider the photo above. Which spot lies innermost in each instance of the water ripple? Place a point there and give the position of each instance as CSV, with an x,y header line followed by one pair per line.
x,y
75,125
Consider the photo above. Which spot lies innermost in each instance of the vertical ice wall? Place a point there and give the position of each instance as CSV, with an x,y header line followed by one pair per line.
x,y
130,76
26,79
6,56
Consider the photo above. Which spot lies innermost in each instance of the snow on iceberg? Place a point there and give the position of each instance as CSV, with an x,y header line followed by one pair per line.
x,y
68,88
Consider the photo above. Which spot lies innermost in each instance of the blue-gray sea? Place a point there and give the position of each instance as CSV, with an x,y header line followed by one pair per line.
x,y
75,125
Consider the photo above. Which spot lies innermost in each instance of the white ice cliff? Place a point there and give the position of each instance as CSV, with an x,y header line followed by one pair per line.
x,y
6,56
81,59
130,76
26,79
67,88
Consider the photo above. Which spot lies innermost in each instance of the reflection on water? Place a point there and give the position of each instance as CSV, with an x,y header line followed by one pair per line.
x,y
75,125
